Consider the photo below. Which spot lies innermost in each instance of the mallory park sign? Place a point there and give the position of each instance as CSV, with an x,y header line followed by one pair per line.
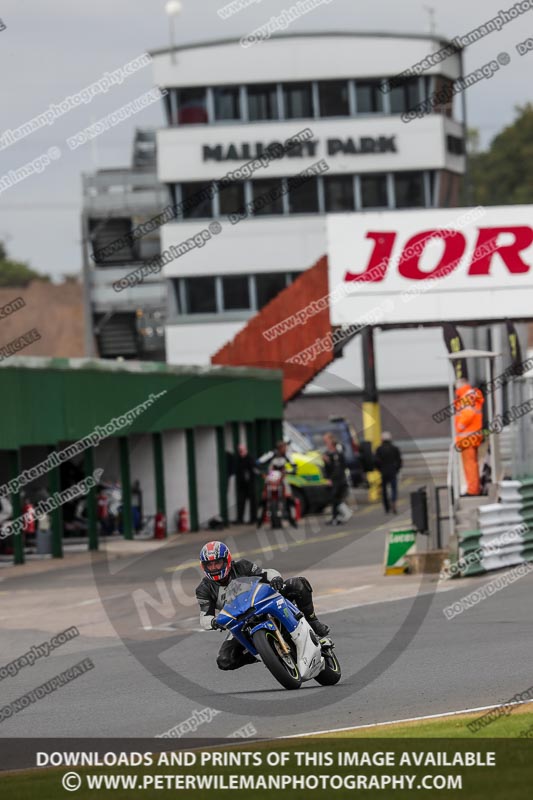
x,y
246,151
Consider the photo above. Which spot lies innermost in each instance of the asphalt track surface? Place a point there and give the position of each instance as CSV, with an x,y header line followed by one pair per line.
x,y
400,658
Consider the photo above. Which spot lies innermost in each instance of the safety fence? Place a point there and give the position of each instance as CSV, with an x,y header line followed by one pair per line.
x,y
503,536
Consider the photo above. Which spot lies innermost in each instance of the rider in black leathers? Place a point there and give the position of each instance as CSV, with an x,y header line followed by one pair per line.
x,y
211,596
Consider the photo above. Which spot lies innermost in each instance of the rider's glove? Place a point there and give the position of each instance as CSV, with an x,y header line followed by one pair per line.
x,y
215,625
277,583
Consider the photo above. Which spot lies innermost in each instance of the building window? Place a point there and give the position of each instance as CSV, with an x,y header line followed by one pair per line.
x,y
432,178
334,98
236,292
405,97
262,102
196,200
268,196
298,100
444,94
374,191
427,82
175,283
167,100
227,102
201,295
338,192
268,286
455,145
231,198
303,197
369,97
409,187
192,107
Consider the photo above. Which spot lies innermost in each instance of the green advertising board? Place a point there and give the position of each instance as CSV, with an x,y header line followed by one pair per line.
x,y
397,545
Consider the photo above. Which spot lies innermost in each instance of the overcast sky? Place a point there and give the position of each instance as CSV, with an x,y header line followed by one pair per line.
x,y
53,48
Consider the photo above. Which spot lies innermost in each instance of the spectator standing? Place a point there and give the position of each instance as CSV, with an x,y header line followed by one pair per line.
x,y
335,471
388,460
245,484
137,505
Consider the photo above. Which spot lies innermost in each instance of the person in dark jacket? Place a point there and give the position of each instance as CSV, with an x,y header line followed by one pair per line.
x,y
388,460
219,570
245,484
335,471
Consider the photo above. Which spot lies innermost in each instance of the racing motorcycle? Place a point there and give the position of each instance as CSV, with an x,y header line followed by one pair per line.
x,y
270,626
274,501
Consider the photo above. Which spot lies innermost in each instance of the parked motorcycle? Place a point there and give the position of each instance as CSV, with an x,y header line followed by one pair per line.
x,y
274,499
270,626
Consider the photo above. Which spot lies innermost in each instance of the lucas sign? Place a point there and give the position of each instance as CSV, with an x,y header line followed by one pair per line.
x,y
398,545
431,266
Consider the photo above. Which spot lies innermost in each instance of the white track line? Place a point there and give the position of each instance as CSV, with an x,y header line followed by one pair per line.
x,y
101,599
402,721
435,591
342,591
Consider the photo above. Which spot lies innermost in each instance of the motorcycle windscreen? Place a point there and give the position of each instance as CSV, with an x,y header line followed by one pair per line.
x,y
239,595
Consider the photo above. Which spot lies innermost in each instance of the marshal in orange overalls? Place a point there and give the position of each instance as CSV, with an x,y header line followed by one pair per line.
x,y
469,432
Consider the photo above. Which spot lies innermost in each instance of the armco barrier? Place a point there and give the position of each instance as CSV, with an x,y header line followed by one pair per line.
x,y
503,536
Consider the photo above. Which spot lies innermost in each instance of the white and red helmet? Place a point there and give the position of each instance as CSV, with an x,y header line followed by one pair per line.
x,y
215,559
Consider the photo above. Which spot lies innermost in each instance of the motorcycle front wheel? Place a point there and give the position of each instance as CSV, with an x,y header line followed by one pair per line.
x,y
284,670
275,516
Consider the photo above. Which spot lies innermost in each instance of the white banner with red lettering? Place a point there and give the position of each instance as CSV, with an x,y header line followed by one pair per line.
x,y
431,265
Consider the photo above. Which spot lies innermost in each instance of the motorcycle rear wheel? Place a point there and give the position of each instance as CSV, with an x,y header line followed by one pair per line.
x,y
266,645
331,674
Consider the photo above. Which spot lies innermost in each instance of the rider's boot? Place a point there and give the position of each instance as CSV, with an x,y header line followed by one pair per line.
x,y
320,628
299,590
